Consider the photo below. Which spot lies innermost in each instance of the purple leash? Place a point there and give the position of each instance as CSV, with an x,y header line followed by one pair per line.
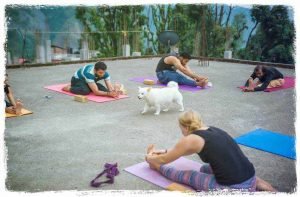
x,y
111,171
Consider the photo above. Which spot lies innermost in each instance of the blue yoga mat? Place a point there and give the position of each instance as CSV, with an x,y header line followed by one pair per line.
x,y
269,141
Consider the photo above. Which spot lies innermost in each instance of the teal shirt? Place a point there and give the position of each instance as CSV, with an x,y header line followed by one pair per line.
x,y
87,73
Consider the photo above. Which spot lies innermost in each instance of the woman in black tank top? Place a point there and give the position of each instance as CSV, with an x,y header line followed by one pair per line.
x,y
227,167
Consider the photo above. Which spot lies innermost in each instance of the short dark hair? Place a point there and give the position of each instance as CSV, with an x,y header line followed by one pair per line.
x,y
185,55
259,67
100,65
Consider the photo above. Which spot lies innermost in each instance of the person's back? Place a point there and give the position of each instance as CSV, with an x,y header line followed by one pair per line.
x,y
228,162
270,73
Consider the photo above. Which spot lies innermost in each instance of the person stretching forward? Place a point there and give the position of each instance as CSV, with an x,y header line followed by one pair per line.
x,y
227,167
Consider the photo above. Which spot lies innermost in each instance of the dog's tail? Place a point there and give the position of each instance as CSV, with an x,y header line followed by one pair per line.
x,y
172,84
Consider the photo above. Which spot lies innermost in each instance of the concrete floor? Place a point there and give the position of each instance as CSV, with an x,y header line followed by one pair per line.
x,y
64,144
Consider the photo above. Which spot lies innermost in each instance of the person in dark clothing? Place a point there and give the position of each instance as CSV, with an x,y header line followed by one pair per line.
x,y
11,106
268,77
226,165
167,66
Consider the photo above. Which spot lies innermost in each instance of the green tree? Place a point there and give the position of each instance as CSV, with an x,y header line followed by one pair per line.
x,y
274,37
111,27
159,19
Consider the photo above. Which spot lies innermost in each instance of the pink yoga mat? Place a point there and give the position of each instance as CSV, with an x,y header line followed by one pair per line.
x,y
91,96
289,82
182,87
143,171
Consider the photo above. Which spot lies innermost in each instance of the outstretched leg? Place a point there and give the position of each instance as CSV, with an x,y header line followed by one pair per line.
x,y
205,168
197,180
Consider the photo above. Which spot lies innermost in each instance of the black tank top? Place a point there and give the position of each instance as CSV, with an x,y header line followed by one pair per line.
x,y
229,164
161,66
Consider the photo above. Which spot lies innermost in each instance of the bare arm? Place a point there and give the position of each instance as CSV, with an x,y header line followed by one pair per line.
x,y
188,68
109,85
174,61
186,146
10,97
96,91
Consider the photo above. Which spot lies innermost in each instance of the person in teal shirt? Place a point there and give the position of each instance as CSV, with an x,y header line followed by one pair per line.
x,y
87,79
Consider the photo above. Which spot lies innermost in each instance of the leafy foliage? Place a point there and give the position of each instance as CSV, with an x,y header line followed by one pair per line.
x,y
204,29
274,38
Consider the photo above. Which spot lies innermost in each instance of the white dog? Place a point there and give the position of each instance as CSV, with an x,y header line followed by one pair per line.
x,y
161,97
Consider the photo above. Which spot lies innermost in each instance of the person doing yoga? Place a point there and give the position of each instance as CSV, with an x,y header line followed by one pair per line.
x,y
226,165
268,77
12,106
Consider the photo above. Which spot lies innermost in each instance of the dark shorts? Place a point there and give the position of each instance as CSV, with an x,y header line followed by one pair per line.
x,y
8,104
79,86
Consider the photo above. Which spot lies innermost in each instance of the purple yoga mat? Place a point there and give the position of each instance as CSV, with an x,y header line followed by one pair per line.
x,y
143,171
182,87
289,82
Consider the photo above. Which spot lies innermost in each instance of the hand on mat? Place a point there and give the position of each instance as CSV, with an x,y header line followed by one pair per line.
x,y
248,89
113,94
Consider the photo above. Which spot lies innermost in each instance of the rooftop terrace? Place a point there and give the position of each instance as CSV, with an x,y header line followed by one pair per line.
x,y
64,144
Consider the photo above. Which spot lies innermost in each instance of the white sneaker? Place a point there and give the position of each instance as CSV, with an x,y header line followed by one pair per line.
x,y
209,84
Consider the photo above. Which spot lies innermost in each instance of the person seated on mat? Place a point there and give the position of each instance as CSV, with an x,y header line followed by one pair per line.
x,y
167,66
87,80
11,106
268,77
226,165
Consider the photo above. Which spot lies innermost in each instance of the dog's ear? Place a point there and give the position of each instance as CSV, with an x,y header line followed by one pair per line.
x,y
148,89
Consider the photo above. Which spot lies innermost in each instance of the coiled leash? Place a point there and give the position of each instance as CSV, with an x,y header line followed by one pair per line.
x,y
111,171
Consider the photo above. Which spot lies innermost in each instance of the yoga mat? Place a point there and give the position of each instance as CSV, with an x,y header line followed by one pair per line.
x,y
143,171
269,141
24,112
91,96
289,82
182,87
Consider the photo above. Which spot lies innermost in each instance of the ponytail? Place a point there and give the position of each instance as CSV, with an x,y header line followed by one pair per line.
x,y
191,120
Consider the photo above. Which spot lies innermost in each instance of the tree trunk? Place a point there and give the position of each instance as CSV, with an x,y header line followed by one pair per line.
x,y
251,34
228,17
221,15
197,41
216,13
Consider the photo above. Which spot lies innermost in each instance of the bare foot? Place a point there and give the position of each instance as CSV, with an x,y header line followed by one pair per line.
x,y
10,110
151,160
19,107
67,88
202,83
262,185
117,87
123,90
150,149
